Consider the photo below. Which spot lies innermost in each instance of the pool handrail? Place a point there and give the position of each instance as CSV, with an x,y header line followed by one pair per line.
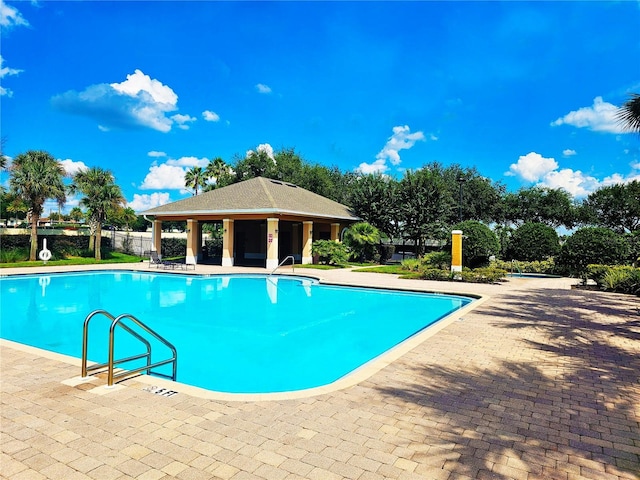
x,y
293,262
117,322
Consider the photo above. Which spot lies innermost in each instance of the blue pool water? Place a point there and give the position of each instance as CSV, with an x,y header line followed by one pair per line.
x,y
240,334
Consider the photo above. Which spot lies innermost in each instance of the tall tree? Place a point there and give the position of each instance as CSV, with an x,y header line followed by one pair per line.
x,y
3,159
425,204
551,206
481,198
101,195
35,177
374,199
616,207
258,163
629,114
122,217
195,178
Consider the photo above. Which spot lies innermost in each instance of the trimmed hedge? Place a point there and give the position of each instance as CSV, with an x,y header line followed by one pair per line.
x,y
61,246
173,247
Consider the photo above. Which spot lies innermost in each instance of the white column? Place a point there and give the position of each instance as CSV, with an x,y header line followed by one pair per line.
x,y
272,243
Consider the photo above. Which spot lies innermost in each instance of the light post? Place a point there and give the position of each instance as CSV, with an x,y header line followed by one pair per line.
x,y
460,179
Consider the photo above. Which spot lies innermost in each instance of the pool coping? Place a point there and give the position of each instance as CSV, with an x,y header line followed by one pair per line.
x,y
356,376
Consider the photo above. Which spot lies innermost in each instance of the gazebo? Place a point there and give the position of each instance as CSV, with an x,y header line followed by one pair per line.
x,y
263,220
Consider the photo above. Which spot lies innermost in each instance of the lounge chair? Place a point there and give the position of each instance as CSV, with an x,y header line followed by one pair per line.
x,y
155,260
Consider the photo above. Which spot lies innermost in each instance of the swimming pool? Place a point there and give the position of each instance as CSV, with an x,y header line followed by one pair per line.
x,y
233,333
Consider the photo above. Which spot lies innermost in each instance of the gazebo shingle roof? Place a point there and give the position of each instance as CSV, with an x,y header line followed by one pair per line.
x,y
258,195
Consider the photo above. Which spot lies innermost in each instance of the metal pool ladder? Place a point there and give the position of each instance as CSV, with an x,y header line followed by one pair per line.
x,y
111,363
293,262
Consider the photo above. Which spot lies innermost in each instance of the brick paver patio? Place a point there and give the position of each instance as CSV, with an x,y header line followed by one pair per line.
x,y
540,381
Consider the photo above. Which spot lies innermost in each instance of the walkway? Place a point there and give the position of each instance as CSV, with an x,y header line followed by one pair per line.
x,y
538,382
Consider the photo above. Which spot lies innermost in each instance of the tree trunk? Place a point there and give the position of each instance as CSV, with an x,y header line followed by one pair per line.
x,y
92,235
98,256
34,237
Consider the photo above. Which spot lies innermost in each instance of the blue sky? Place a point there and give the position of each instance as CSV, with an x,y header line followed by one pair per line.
x,y
524,91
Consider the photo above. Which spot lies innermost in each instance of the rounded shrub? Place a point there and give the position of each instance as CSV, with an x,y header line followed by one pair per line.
x,y
478,243
533,241
593,245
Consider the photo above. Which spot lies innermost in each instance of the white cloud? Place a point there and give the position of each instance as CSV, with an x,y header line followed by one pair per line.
x,y
4,72
600,117
532,167
263,148
164,176
139,101
379,166
170,174
140,203
575,182
402,139
262,88
210,116
568,152
10,17
71,167
138,82
188,162
183,120
546,172
154,153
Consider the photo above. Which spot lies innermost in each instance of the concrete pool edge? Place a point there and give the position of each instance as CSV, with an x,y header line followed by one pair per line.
x,y
355,377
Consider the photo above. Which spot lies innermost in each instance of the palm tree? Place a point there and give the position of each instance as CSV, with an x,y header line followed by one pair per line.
x,y
128,216
101,194
216,169
363,239
3,159
35,177
629,113
195,178
76,214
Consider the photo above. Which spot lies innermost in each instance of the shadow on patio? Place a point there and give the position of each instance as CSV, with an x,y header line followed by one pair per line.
x,y
559,397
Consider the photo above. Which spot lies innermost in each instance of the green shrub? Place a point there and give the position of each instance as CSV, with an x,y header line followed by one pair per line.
x,y
362,239
411,264
14,255
547,267
618,278
533,241
330,252
127,244
591,245
483,275
441,260
386,251
478,243
633,240
63,248
434,274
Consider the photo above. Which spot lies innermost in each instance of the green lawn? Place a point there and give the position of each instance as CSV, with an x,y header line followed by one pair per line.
x,y
113,257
